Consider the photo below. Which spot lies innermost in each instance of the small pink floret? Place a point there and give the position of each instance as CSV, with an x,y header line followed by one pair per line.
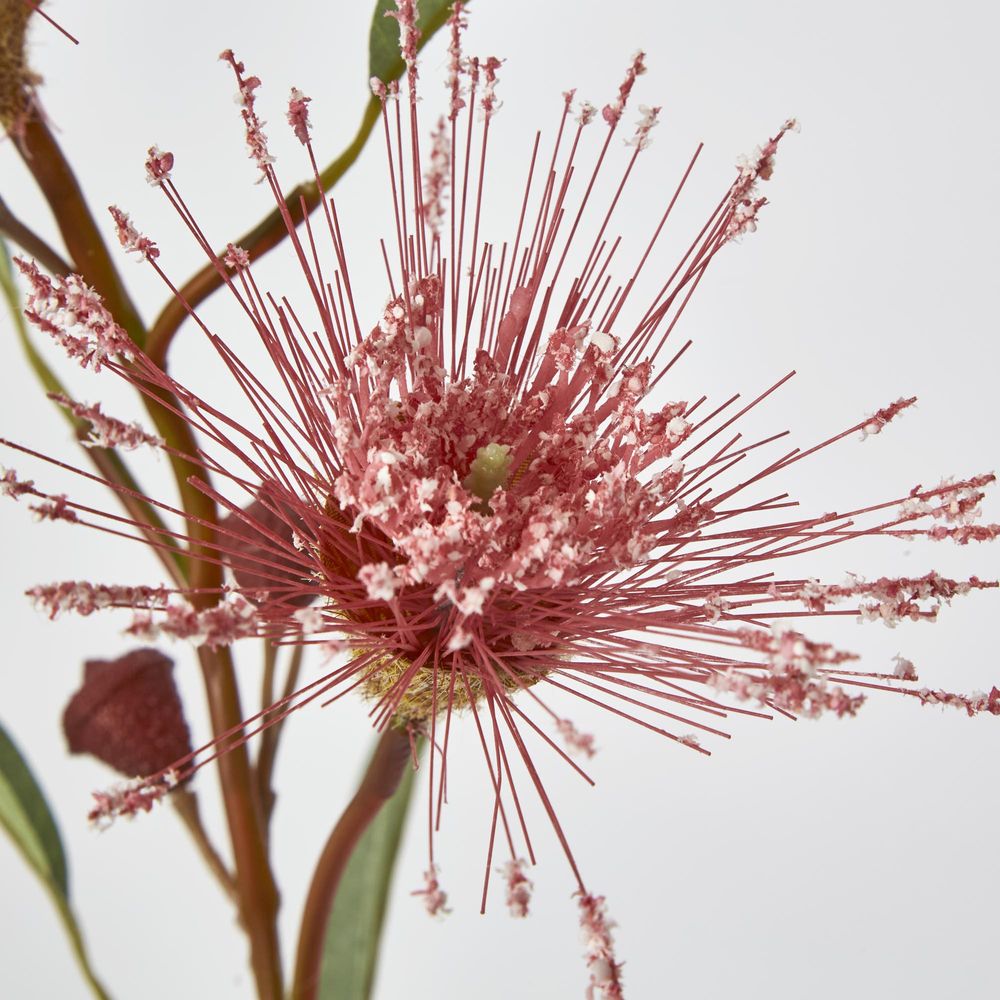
x,y
519,887
577,742
409,33
85,598
130,798
232,619
245,97
108,432
298,115
435,898
11,486
880,418
236,257
130,238
974,703
158,166
456,64
612,112
605,972
55,508
74,316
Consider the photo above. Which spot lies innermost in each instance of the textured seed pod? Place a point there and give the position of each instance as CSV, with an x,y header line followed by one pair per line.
x,y
17,81
128,714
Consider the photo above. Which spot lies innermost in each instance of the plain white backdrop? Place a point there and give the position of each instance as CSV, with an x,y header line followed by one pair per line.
x,y
821,859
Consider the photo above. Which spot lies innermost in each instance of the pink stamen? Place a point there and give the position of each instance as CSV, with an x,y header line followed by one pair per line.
x,y
605,971
434,897
298,115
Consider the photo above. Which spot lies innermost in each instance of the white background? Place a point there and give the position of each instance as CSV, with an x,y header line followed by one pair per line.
x,y
828,859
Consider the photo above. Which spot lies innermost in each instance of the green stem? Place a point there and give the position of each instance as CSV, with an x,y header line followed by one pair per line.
x,y
377,786
78,945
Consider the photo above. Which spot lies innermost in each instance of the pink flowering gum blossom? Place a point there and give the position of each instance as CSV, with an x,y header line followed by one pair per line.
x,y
482,483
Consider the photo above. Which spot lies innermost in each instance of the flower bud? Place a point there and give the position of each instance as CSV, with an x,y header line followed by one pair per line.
x,y
128,714
256,559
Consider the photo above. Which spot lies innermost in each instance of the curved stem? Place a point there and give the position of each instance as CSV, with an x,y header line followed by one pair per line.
x,y
30,242
258,893
263,237
377,786
54,176
79,947
108,462
186,804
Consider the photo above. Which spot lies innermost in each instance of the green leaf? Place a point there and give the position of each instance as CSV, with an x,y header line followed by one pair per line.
x,y
384,60
26,817
355,925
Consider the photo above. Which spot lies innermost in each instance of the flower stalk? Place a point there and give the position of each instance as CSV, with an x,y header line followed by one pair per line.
x,y
266,235
380,781
55,178
258,894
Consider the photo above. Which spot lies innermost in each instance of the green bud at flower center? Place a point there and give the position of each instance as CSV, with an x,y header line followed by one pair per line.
x,y
489,470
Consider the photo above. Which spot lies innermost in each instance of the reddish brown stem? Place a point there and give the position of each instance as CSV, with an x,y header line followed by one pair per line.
x,y
186,804
258,895
272,230
377,786
53,174
265,236
30,242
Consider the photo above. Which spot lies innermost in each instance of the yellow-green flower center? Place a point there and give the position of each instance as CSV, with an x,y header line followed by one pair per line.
x,y
489,470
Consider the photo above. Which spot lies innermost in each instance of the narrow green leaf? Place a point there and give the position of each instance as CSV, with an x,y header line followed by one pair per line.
x,y
355,926
26,817
384,60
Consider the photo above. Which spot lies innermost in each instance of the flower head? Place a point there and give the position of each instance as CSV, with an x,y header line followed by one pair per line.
x,y
484,491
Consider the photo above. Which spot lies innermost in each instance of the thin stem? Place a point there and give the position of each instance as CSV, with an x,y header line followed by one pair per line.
x,y
78,945
258,893
108,462
186,804
255,882
268,751
377,786
54,176
265,236
30,242
267,683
